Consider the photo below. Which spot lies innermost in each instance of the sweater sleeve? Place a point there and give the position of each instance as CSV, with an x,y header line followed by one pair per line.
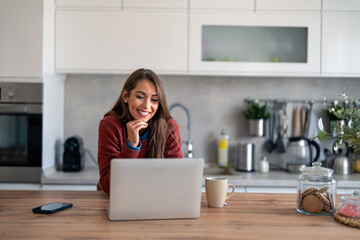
x,y
173,141
111,144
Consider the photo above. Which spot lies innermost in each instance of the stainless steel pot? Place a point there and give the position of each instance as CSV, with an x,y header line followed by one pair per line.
x,y
342,164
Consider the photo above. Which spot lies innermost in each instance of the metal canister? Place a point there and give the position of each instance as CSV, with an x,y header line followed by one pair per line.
x,y
245,157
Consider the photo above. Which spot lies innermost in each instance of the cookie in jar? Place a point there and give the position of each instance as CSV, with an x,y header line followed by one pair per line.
x,y
316,190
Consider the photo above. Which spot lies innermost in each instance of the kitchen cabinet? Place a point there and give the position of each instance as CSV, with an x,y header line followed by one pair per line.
x,y
341,5
60,187
116,40
156,4
21,28
298,5
248,43
223,4
217,37
340,38
89,3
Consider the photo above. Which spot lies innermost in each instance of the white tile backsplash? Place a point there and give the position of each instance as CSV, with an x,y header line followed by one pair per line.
x,y
214,103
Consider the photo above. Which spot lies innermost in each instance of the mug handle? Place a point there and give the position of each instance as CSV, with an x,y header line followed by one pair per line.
x,y
232,193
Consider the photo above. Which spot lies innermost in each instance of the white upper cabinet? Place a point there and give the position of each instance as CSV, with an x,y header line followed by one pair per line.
x,y
223,4
112,40
303,5
21,38
341,5
247,43
341,38
156,4
225,37
89,3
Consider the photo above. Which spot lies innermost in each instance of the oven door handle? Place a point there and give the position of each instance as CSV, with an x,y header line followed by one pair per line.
x,y
13,108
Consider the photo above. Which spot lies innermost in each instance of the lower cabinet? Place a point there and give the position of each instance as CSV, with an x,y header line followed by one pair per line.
x,y
69,187
270,190
95,40
57,187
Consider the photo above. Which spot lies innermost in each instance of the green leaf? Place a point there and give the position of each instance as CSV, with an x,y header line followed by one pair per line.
x,y
322,135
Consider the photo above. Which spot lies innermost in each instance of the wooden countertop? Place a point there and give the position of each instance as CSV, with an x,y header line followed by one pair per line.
x,y
247,216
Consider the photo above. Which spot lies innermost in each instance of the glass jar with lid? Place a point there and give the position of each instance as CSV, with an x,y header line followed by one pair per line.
x,y
316,190
350,205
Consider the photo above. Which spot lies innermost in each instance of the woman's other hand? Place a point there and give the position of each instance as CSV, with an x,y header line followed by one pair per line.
x,y
133,128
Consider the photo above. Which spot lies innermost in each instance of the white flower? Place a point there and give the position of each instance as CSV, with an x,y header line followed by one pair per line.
x,y
343,95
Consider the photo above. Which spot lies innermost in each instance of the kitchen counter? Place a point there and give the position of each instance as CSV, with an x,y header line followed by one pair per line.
x,y
89,176
247,216
282,179
245,182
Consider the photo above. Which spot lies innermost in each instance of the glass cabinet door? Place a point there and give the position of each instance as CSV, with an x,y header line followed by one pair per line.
x,y
254,43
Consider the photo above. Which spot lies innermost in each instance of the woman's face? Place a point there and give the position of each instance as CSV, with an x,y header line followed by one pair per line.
x,y
143,100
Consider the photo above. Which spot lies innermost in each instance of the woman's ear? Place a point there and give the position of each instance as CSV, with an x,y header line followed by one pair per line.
x,y
125,96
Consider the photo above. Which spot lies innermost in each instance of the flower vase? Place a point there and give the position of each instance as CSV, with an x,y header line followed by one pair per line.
x,y
337,128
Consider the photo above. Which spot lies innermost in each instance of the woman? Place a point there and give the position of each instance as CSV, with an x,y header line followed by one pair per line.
x,y
138,126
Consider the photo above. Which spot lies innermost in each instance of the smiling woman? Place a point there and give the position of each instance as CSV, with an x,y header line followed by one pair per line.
x,y
138,126
143,102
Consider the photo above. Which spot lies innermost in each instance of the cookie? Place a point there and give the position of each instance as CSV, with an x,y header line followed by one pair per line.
x,y
331,200
324,189
312,204
322,197
326,208
309,191
299,199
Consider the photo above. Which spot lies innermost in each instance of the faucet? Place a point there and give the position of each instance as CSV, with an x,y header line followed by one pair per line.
x,y
188,142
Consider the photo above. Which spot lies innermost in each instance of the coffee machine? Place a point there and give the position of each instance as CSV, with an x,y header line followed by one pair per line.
x,y
73,156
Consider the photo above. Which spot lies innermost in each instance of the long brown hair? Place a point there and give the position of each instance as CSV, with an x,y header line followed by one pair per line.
x,y
158,124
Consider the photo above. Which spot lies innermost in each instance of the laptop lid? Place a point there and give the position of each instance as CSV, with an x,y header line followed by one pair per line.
x,y
155,188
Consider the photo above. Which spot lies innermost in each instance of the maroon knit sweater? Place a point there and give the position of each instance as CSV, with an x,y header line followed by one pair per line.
x,y
112,144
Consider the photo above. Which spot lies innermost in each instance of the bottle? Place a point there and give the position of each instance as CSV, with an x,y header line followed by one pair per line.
x,y
223,150
264,165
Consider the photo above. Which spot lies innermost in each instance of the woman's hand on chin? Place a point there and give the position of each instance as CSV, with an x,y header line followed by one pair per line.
x,y
133,128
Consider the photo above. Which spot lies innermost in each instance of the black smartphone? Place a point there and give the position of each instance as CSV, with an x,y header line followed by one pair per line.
x,y
52,207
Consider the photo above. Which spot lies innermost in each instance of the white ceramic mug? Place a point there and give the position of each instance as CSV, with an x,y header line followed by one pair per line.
x,y
216,191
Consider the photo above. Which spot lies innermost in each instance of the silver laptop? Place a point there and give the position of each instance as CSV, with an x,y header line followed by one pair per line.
x,y
155,188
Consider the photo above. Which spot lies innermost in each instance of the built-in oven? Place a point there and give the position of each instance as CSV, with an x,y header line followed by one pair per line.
x,y
20,132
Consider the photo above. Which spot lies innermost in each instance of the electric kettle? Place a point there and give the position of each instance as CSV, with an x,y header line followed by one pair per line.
x,y
299,153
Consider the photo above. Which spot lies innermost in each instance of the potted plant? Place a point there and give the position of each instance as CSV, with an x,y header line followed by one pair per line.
x,y
350,131
257,115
